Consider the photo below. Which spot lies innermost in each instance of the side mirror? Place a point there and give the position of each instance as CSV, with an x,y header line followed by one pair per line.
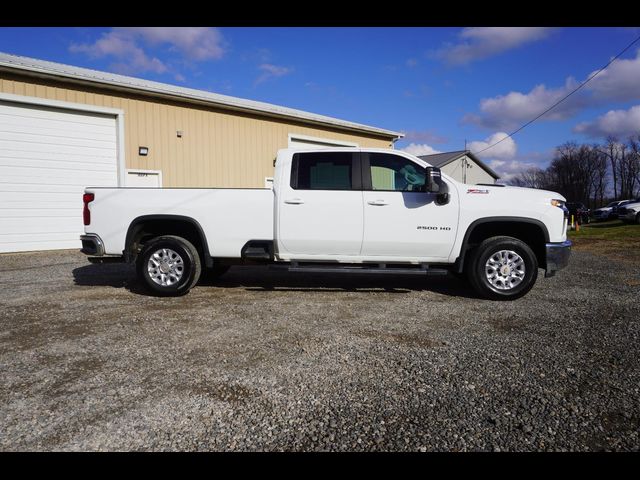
x,y
435,184
433,180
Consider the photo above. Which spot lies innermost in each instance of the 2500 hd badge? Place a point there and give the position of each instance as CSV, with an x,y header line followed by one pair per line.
x,y
425,227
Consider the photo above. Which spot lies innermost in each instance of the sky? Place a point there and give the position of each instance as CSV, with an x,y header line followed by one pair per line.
x,y
443,87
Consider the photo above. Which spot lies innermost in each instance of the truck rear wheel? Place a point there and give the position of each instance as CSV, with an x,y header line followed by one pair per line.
x,y
169,265
503,268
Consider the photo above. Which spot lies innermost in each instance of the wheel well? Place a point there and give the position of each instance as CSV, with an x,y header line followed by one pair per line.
x,y
144,229
534,235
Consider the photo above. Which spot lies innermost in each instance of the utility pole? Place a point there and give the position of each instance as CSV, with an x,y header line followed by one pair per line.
x,y
464,163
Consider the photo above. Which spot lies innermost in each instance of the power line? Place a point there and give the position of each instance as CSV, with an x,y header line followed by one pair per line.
x,y
562,99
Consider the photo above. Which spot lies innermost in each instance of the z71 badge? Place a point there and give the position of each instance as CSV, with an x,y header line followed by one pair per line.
x,y
477,190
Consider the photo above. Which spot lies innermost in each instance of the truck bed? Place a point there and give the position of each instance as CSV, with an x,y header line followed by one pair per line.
x,y
231,217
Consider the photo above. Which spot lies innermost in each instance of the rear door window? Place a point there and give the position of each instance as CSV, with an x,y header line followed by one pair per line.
x,y
324,171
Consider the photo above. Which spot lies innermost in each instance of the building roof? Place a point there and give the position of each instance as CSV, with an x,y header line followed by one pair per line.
x,y
48,69
441,159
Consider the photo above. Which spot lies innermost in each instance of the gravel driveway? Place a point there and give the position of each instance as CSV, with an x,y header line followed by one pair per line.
x,y
266,360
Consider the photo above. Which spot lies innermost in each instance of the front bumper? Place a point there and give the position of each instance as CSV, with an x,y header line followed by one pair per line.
x,y
628,216
557,257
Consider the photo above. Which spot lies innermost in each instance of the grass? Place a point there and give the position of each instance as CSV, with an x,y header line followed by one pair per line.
x,y
613,239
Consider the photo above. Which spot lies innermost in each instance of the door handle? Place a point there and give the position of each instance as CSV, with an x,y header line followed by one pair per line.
x,y
294,201
378,203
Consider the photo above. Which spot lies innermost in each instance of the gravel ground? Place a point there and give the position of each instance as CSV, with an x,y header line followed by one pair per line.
x,y
265,360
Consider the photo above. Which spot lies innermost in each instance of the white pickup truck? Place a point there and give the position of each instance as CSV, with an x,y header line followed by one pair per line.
x,y
334,210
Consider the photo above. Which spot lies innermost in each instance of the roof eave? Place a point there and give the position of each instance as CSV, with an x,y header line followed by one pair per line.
x,y
46,74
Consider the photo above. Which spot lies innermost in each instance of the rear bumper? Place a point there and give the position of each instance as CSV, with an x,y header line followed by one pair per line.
x,y
92,245
557,257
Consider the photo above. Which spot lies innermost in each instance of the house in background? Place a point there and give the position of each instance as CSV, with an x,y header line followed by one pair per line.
x,y
462,166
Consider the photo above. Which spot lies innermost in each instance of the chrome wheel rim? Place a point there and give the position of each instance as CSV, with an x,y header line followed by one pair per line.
x,y
505,270
165,267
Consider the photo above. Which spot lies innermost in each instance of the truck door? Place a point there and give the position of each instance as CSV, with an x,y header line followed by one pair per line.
x,y
320,207
399,218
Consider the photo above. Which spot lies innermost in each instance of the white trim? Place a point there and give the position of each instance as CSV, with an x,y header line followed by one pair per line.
x,y
140,170
326,141
121,149
80,107
10,97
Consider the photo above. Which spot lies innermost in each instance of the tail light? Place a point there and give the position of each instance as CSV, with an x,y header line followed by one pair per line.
x,y
87,198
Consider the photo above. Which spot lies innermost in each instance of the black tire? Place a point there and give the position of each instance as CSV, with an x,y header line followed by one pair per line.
x,y
460,276
191,266
477,268
638,218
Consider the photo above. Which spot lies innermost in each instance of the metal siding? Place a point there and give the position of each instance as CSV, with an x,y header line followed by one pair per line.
x,y
476,174
218,149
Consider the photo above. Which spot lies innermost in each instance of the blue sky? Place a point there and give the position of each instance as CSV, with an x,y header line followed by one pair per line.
x,y
441,86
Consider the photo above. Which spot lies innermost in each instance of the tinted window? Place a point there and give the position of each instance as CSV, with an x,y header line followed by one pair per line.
x,y
322,171
395,173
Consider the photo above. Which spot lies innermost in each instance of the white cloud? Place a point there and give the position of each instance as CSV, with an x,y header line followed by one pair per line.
x,y
418,149
125,46
503,158
476,43
515,108
617,83
619,123
506,149
509,168
271,71
122,47
195,43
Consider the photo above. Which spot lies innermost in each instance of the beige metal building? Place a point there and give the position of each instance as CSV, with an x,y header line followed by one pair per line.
x,y
462,166
63,128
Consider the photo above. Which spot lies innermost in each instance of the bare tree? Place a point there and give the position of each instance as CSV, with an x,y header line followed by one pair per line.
x,y
581,172
531,178
600,175
628,168
612,147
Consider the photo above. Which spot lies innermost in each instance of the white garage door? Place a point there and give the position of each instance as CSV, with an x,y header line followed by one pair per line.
x,y
47,157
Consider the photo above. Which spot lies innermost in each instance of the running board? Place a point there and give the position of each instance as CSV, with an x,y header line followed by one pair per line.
x,y
380,268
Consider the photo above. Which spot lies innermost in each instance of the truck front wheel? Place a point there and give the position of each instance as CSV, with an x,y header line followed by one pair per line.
x,y
169,265
503,268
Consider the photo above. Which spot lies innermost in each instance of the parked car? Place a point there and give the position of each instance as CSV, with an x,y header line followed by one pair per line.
x,y
630,212
615,210
579,211
335,210
610,212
